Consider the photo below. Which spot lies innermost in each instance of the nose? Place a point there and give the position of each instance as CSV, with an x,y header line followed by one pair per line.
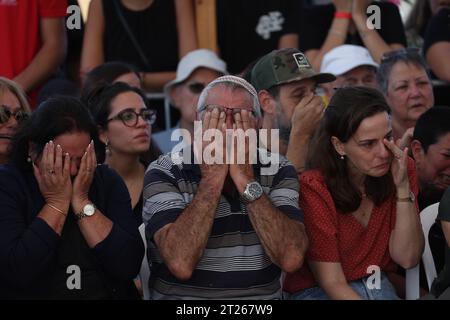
x,y
414,90
141,122
73,169
383,151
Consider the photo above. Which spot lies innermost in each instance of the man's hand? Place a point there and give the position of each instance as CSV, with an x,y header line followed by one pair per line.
x,y
211,170
307,115
242,173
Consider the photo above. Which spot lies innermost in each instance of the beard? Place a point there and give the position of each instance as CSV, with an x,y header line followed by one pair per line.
x,y
285,133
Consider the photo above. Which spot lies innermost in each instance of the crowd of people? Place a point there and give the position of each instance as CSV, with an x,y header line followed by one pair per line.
x,y
302,154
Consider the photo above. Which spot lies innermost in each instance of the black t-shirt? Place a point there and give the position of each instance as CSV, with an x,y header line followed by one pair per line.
x,y
248,29
438,29
315,22
154,29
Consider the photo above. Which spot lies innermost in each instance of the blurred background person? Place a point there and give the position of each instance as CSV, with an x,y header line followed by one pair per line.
x,y
14,109
194,72
352,65
33,40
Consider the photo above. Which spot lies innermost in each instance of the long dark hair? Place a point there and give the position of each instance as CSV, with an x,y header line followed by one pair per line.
x,y
347,109
54,117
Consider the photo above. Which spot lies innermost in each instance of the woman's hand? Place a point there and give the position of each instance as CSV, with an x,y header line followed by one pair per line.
x,y
83,179
53,176
399,164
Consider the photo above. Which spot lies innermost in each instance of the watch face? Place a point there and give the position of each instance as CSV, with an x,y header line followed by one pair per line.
x,y
89,210
253,191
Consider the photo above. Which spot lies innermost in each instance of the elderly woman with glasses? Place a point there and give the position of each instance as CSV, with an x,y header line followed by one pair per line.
x,y
66,225
125,126
14,108
404,80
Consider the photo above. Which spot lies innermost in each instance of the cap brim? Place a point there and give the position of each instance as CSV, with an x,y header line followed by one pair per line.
x,y
317,77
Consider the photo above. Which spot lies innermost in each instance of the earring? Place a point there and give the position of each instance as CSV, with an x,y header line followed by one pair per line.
x,y
29,159
342,157
107,149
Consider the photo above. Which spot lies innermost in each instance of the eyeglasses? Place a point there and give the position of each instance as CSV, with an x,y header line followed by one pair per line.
x,y
196,87
400,53
211,108
129,117
6,114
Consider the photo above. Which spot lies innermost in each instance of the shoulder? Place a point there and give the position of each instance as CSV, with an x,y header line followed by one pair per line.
x,y
168,166
106,175
312,178
10,174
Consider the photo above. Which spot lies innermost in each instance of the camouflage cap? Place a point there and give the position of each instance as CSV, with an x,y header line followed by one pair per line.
x,y
284,66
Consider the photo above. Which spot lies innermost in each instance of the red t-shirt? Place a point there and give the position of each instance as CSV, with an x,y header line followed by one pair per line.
x,y
19,31
337,237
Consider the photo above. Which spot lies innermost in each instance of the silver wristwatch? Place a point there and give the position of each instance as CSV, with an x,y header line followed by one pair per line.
x,y
88,211
253,191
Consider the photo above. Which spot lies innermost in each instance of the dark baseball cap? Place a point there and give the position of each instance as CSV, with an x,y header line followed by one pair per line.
x,y
284,66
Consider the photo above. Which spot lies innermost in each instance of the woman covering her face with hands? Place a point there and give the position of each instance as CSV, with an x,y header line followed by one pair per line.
x,y
359,203
66,229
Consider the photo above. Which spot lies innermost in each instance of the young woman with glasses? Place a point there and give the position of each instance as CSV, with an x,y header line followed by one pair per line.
x,y
125,126
14,109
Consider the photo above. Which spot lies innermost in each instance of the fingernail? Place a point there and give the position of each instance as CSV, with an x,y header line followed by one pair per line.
x,y
51,142
58,147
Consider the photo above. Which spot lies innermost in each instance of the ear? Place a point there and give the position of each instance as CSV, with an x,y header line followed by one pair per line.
x,y
102,135
338,146
267,102
417,151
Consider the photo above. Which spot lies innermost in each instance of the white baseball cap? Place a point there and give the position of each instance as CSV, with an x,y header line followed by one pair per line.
x,y
201,58
345,58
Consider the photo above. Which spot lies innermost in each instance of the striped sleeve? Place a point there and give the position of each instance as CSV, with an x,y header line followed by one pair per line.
x,y
284,189
163,201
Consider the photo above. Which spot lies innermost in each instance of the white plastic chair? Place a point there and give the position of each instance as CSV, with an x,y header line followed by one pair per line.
x,y
427,218
144,273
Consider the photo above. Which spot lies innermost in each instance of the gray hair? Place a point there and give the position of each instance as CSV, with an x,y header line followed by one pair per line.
x,y
407,56
232,82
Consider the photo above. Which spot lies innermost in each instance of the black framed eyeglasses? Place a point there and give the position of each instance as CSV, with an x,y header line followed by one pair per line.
x,y
196,87
129,117
6,114
400,53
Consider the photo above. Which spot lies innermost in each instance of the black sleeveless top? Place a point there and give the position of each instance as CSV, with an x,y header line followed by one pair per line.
x,y
154,29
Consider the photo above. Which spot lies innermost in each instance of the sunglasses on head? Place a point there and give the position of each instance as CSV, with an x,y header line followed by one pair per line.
x,y
399,53
6,114
196,87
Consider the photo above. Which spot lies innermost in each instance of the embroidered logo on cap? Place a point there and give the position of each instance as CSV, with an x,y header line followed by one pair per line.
x,y
301,60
